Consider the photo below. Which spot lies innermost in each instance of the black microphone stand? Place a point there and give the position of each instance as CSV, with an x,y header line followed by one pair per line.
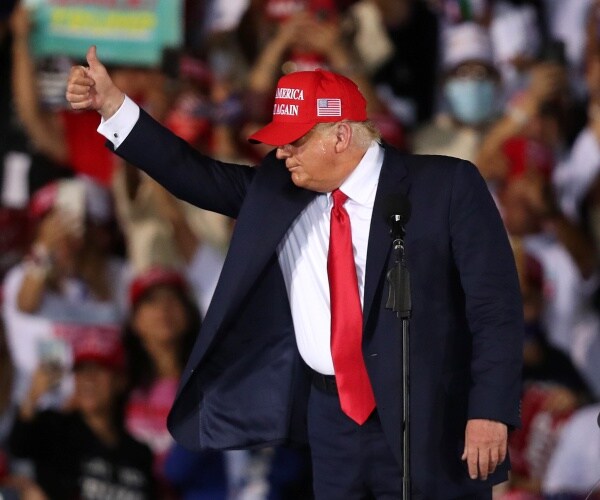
x,y
399,300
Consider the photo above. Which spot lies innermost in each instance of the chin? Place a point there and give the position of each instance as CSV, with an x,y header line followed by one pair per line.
x,y
298,180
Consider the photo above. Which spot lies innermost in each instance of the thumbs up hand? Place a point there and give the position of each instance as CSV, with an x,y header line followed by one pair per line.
x,y
91,87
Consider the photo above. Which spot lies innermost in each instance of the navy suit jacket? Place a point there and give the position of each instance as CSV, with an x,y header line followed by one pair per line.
x,y
245,384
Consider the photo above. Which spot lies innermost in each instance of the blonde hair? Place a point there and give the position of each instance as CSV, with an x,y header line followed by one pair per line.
x,y
363,133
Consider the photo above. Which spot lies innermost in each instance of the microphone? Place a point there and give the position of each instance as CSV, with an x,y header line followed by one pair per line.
x,y
397,214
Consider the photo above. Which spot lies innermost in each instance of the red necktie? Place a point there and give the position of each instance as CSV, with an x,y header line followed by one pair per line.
x,y
354,388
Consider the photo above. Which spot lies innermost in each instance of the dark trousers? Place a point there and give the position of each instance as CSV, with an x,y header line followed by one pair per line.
x,y
350,461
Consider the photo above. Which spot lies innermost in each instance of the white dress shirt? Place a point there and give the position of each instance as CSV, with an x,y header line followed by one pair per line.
x,y
303,250
303,258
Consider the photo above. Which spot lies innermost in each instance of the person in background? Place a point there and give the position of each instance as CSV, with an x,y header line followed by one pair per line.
x,y
69,278
567,257
42,123
59,143
405,80
518,30
470,88
308,36
206,104
72,242
160,331
572,473
85,452
158,229
11,485
537,113
572,23
22,169
552,390
576,178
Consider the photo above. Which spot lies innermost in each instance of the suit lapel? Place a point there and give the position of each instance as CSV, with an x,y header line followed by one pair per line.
x,y
393,180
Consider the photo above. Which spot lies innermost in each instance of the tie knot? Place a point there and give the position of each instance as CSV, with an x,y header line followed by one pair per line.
x,y
339,198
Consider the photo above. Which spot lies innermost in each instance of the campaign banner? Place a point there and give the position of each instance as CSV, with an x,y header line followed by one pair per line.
x,y
132,32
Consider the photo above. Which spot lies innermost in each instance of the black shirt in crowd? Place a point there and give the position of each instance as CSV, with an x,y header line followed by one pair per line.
x,y
72,463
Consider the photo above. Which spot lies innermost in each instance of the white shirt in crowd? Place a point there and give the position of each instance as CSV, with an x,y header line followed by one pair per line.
x,y
574,467
32,337
574,174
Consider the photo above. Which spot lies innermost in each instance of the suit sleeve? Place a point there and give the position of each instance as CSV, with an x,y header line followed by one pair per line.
x,y
493,304
202,181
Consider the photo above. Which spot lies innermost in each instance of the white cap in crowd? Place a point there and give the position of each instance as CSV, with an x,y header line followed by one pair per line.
x,y
466,42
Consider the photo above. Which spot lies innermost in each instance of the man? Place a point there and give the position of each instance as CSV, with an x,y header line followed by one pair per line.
x,y
267,333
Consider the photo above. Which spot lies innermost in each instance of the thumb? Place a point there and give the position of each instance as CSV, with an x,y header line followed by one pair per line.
x,y
91,58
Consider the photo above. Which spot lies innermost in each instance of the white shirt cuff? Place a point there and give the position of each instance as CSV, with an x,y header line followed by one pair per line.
x,y
117,127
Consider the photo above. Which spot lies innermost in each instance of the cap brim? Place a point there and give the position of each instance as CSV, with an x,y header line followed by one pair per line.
x,y
280,133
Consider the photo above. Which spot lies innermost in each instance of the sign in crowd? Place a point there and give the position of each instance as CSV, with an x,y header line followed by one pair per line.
x,y
131,32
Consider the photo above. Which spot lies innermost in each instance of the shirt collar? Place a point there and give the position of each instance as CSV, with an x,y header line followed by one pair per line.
x,y
361,184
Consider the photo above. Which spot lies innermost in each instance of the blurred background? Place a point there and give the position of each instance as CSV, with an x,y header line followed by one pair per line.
x,y
106,276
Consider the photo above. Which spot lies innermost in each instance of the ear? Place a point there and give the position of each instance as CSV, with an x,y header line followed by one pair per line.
x,y
343,137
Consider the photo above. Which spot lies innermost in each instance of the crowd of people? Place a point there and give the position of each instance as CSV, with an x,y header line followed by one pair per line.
x,y
107,276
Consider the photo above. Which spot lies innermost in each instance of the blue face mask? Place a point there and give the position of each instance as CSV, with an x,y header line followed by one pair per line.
x,y
472,102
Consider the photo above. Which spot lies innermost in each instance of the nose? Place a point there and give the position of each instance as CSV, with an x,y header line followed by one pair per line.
x,y
283,152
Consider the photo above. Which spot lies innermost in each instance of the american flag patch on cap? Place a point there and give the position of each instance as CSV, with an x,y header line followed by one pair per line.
x,y
329,107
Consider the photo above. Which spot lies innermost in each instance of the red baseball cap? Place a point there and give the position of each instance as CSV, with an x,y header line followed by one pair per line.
x,y
99,347
152,277
305,98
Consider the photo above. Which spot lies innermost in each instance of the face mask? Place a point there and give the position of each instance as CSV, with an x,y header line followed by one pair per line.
x,y
471,101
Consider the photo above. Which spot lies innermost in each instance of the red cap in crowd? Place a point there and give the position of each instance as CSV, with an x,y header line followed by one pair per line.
x,y
305,98
96,198
154,277
105,350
